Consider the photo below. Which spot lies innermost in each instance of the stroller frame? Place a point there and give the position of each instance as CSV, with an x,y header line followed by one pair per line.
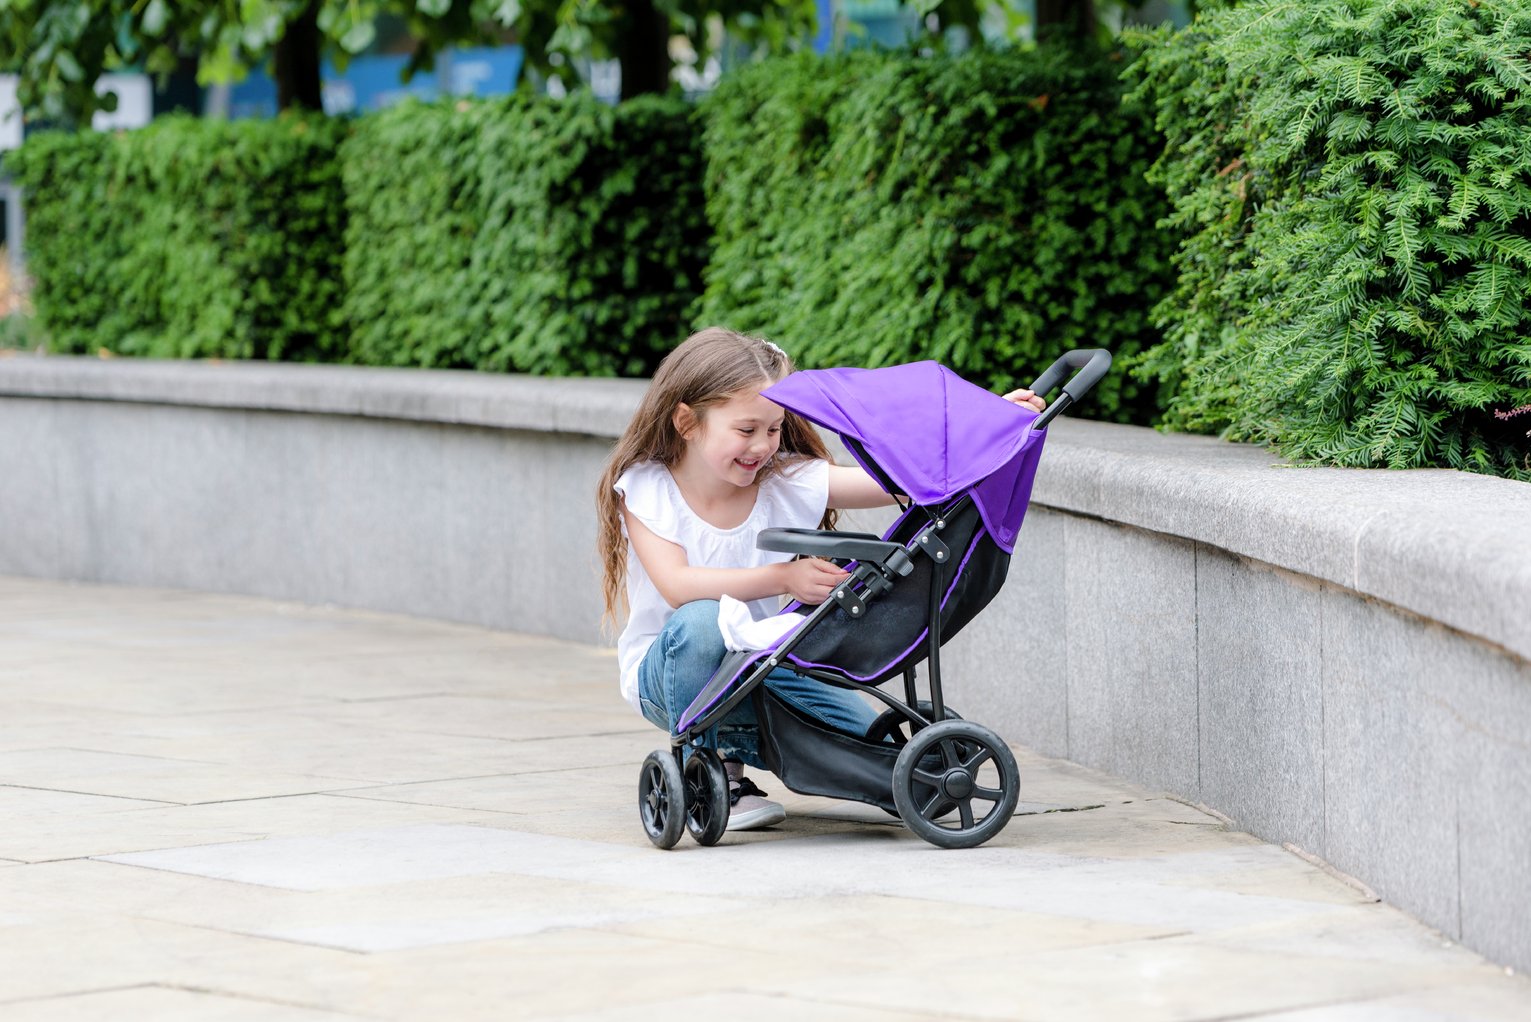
x,y
936,754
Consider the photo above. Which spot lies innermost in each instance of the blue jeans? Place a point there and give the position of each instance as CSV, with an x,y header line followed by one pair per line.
x,y
687,653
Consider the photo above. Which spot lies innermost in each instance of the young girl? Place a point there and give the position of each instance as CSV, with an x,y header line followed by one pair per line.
x,y
705,464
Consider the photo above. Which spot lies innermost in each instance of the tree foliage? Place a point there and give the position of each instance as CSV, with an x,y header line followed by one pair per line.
x,y
557,33
1357,175
64,46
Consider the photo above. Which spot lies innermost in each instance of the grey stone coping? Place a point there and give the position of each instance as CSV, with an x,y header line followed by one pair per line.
x,y
596,407
1450,546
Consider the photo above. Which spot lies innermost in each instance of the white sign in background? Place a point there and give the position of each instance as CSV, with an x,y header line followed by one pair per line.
x,y
10,114
135,102
135,106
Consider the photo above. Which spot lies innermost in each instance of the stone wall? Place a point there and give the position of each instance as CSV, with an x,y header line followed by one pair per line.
x,y
448,495
1335,659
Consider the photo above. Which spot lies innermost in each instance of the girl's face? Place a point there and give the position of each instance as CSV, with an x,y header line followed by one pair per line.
x,y
737,437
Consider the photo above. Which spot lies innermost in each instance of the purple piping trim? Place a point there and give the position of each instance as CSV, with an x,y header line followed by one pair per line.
x,y
750,664
746,667
944,600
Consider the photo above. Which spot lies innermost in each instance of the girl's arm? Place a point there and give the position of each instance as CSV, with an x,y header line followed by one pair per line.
x,y
851,487
808,580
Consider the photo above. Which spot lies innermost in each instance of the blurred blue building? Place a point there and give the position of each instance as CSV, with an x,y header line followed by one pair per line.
x,y
375,81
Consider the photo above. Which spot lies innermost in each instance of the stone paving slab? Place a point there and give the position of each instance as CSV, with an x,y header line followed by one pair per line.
x,y
55,836
221,808
157,1002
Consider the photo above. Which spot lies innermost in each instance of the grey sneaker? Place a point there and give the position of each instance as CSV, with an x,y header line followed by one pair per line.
x,y
748,807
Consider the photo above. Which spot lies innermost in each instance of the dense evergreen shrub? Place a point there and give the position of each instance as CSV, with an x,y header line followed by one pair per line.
x,y
412,220
80,212
187,238
524,234
988,210
1358,175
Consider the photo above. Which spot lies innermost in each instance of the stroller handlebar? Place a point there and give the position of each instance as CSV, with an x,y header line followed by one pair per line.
x,y
1091,365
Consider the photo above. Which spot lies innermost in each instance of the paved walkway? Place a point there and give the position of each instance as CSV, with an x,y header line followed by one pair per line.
x,y
226,809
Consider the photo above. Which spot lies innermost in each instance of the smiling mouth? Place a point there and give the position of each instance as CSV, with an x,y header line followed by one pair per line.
x,y
748,466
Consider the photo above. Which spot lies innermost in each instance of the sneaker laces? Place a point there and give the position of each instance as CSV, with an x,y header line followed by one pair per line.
x,y
741,788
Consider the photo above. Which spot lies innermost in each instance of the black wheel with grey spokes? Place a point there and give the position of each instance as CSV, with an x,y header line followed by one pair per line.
x,y
956,784
706,796
661,798
896,728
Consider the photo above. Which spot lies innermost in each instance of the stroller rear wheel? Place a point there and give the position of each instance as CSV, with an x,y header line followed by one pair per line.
x,y
952,765
896,728
661,798
893,726
706,796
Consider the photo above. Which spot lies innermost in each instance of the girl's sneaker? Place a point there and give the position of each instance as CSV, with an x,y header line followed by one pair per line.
x,y
749,809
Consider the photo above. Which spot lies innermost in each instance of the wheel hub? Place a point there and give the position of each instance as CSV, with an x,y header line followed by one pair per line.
x,y
957,784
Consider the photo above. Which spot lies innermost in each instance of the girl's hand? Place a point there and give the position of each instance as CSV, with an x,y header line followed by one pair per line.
x,y
1027,398
810,580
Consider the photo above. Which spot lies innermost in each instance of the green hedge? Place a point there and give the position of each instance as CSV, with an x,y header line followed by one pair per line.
x,y
188,238
524,234
988,210
1357,178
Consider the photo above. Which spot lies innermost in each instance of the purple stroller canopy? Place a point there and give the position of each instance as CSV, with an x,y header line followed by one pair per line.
x,y
930,431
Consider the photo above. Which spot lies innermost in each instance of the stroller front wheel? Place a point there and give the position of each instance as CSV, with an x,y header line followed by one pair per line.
x,y
662,798
706,796
944,770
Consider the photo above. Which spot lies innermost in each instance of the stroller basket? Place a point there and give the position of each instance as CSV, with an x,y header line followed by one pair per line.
x,y
965,459
812,758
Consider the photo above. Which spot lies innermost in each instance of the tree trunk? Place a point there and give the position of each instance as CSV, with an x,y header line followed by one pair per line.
x,y
1070,18
644,49
295,63
178,90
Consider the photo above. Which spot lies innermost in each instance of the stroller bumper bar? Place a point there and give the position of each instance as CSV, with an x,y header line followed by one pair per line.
x,y
877,562
838,546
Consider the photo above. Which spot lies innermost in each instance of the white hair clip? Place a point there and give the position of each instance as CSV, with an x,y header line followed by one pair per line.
x,y
773,347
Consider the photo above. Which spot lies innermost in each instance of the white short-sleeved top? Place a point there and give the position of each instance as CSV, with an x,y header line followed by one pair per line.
x,y
794,498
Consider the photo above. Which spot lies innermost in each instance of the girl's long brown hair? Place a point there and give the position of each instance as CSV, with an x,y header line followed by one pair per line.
x,y
706,369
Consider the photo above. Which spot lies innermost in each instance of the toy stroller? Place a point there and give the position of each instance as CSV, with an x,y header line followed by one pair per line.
x,y
965,459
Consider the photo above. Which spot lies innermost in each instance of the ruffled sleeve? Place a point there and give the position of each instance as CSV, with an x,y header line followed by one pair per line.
x,y
646,490
799,494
